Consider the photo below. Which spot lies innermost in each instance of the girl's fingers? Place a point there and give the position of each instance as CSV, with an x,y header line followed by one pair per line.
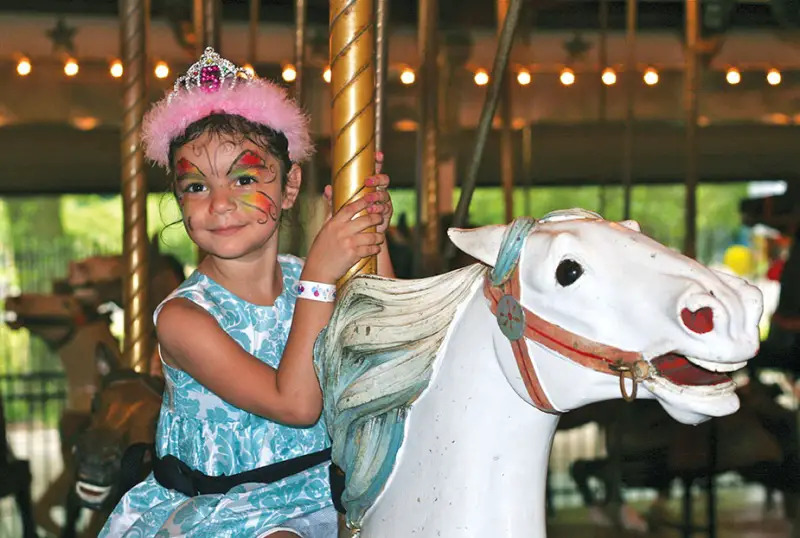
x,y
348,212
363,222
380,181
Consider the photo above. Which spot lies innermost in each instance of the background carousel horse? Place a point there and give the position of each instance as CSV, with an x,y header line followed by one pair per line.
x,y
69,322
444,392
115,452
757,442
74,329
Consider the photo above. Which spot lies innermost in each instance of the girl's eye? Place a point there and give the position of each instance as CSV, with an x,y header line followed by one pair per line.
x,y
194,187
246,180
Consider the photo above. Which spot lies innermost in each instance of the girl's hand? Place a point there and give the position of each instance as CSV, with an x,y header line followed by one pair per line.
x,y
380,182
342,241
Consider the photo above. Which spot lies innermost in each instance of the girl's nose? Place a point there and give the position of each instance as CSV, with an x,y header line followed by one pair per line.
x,y
222,202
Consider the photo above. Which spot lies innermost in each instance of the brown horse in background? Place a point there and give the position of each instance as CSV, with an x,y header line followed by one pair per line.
x,y
115,451
70,322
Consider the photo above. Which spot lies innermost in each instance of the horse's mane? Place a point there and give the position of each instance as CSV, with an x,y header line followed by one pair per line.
x,y
373,360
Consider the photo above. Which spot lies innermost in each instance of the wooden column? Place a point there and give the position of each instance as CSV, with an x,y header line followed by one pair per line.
x,y
506,142
630,104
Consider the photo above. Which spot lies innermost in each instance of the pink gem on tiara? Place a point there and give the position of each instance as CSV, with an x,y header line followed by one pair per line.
x,y
209,74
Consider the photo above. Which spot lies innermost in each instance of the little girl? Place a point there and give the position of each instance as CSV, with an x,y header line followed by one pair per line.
x,y
241,449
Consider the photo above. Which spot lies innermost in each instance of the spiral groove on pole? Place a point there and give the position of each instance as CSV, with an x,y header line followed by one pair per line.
x,y
352,46
137,324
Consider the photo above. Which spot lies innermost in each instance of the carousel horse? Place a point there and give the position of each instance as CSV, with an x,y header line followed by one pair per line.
x,y
70,323
74,329
758,443
444,392
115,452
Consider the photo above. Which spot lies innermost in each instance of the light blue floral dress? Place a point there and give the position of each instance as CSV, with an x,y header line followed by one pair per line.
x,y
215,437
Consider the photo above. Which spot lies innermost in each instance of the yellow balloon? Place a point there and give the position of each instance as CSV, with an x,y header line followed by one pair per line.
x,y
739,259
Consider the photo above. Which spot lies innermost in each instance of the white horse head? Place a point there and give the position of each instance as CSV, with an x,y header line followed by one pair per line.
x,y
442,391
608,283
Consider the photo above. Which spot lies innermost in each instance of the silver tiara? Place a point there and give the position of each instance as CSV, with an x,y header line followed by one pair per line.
x,y
209,74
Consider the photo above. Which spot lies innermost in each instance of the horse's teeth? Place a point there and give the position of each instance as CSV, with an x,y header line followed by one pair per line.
x,y
92,493
717,366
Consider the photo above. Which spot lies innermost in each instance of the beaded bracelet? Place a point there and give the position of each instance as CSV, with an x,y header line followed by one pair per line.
x,y
316,291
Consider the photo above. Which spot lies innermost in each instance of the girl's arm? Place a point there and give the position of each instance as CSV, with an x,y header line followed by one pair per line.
x,y
191,338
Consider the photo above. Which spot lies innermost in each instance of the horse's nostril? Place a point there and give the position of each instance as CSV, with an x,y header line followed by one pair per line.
x,y
700,321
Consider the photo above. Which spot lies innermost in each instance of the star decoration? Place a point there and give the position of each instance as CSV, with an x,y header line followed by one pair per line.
x,y
577,46
62,35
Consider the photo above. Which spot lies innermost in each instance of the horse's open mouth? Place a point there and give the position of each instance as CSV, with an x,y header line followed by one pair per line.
x,y
92,494
690,372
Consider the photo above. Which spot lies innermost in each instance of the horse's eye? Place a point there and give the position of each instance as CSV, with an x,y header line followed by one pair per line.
x,y
568,271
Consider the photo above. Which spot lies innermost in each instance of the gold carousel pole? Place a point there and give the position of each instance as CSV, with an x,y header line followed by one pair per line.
x,y
690,103
630,93
352,55
137,324
506,143
381,63
428,190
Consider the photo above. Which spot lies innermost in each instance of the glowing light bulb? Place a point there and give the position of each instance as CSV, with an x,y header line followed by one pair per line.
x,y
289,73
116,69
161,70
774,77
71,68
650,76
250,69
733,76
524,77
609,77
24,67
481,77
567,77
407,76
326,75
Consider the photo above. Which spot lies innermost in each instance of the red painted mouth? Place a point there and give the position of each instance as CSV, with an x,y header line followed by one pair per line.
x,y
677,369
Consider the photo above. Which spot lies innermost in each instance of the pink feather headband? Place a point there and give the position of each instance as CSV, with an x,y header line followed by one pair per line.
x,y
214,85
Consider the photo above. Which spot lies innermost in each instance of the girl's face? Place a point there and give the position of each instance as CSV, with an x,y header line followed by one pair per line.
x,y
230,194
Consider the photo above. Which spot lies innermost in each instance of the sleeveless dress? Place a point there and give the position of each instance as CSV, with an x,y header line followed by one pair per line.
x,y
215,437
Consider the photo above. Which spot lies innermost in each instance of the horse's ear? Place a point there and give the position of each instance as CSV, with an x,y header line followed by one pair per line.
x,y
481,243
105,360
631,225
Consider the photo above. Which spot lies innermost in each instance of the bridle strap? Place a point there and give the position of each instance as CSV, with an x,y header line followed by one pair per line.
x,y
519,323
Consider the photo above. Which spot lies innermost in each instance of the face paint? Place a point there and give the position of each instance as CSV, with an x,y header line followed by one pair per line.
x,y
260,201
185,167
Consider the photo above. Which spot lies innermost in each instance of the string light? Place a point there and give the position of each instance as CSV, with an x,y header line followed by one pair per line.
x,y
161,70
250,69
609,77
733,76
71,68
24,67
524,77
407,76
481,77
326,75
774,77
289,73
116,69
567,77
650,76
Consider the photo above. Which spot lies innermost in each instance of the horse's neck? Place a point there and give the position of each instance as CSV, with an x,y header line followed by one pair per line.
x,y
475,455
78,359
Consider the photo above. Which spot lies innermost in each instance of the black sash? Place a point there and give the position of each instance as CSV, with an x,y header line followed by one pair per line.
x,y
172,473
